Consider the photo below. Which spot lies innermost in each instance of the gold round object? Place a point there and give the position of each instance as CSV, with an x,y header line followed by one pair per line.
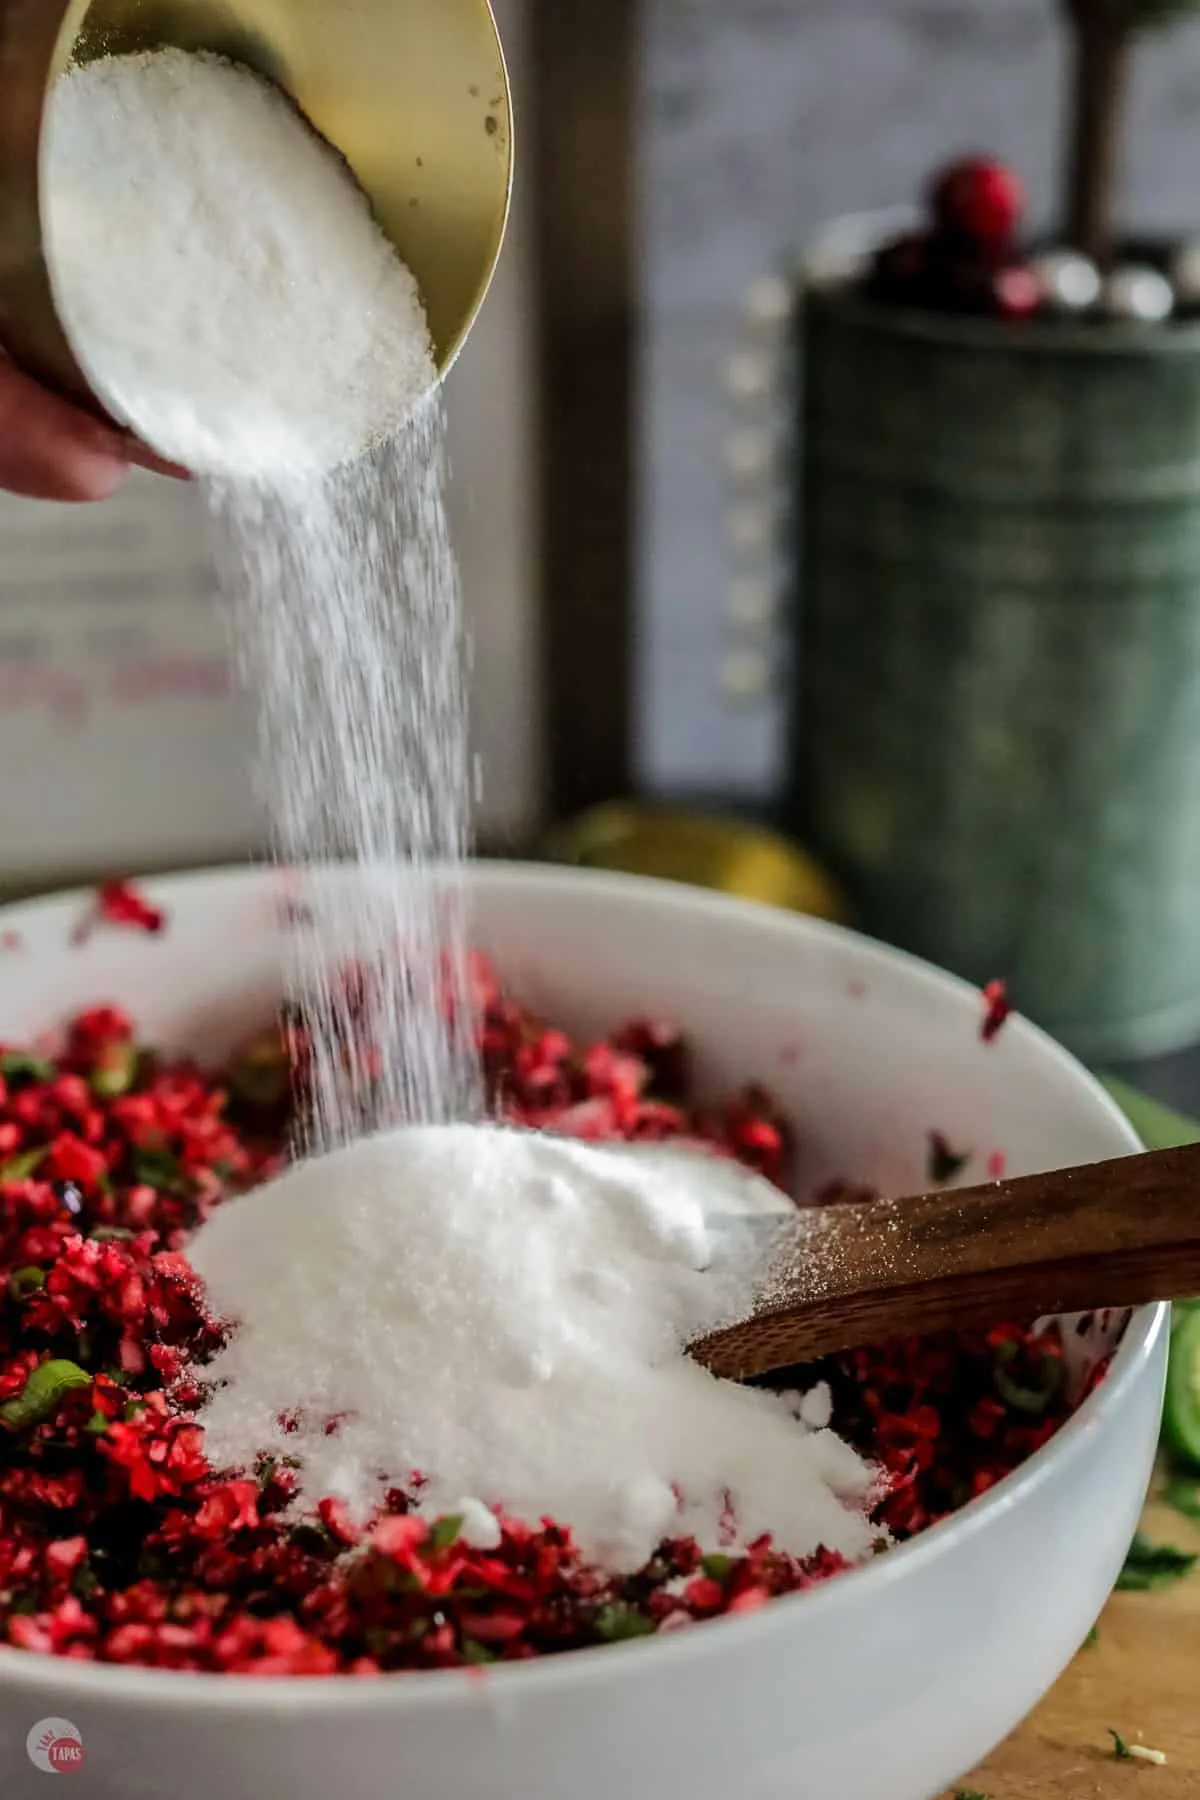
x,y
699,850
413,93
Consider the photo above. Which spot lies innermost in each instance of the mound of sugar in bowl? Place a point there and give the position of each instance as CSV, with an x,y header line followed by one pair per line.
x,y
505,1314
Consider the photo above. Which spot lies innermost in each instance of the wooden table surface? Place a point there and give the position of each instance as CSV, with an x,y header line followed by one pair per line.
x,y
1141,1677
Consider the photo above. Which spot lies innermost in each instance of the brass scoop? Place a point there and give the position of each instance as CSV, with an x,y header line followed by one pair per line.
x,y
413,93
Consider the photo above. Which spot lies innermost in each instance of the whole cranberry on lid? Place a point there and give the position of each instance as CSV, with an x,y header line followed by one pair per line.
x,y
978,199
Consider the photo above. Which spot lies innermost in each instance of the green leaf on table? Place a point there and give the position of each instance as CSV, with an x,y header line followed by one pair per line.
x,y
1151,1566
1134,1752
1158,1126
1182,1494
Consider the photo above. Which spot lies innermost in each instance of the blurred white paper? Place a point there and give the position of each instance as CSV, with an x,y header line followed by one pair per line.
x,y
122,741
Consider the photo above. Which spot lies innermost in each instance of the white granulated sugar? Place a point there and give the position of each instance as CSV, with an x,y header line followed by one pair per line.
x,y
480,1527
816,1408
505,1314
347,621
219,271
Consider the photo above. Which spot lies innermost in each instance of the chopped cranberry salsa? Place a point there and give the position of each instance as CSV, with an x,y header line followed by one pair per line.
x,y
118,1542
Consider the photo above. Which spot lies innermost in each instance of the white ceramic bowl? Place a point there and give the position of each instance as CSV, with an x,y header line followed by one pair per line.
x,y
886,1684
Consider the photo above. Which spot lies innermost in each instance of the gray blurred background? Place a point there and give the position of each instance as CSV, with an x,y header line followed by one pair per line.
x,y
761,119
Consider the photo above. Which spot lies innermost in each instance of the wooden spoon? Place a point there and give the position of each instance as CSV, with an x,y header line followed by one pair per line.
x,y
1111,1234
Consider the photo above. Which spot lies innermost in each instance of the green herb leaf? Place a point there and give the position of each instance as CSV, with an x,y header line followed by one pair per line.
x,y
24,1282
446,1532
311,1537
116,1071
476,1654
1092,1638
20,1168
159,1169
617,1622
16,1064
261,1074
151,1565
1024,1398
97,1425
112,1234
1183,1496
84,1582
1150,1566
1120,1747
43,1393
717,1567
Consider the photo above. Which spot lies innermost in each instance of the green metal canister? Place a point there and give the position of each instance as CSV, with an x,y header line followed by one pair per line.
x,y
996,737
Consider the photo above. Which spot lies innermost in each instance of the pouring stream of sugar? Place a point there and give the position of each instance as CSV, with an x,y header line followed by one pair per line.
x,y
235,302
1110,1234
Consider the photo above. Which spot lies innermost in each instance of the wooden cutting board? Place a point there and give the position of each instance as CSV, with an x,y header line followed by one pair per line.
x,y
1141,1678
1142,1675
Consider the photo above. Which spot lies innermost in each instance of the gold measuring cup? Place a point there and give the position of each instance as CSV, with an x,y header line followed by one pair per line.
x,y
413,93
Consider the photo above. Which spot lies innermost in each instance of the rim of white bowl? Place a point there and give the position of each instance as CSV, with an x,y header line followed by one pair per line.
x,y
161,1689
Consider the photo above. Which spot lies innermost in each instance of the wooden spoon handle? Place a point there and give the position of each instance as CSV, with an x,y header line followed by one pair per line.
x,y
1110,1234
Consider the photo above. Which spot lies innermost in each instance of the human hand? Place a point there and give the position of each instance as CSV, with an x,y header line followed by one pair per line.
x,y
51,450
